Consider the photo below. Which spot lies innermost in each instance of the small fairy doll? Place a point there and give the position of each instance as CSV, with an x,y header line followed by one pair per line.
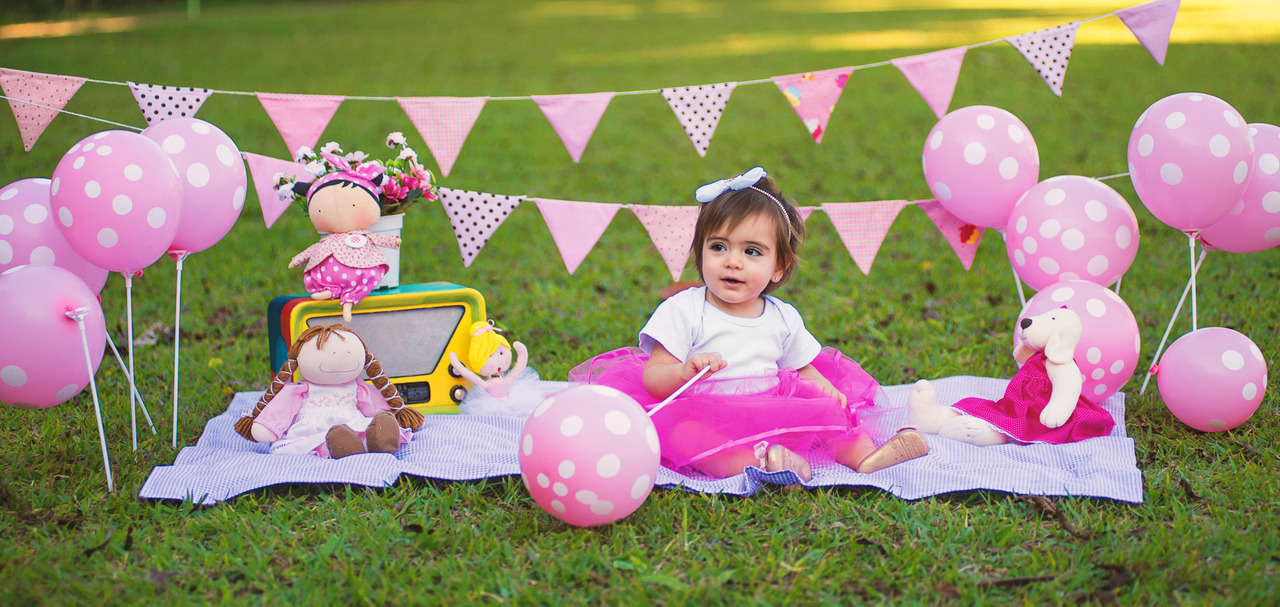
x,y
346,264
494,392
331,412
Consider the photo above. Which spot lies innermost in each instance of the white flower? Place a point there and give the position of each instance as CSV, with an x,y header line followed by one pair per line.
x,y
316,168
303,152
394,139
357,156
331,148
285,193
408,154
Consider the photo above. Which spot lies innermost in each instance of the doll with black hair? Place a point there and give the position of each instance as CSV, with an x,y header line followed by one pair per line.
x,y
346,264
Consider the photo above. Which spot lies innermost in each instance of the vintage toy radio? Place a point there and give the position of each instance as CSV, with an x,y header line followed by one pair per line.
x,y
410,328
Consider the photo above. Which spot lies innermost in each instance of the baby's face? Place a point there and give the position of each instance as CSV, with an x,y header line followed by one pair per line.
x,y
739,262
497,362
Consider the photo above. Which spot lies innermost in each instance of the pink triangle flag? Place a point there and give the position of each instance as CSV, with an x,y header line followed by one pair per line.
x,y
574,117
813,95
961,235
862,226
36,99
444,123
934,76
474,217
576,227
301,119
267,172
1048,51
159,102
699,108
1151,24
805,212
671,230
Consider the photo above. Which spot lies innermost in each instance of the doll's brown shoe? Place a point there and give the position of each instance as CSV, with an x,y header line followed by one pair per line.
x,y
906,445
782,458
343,441
383,433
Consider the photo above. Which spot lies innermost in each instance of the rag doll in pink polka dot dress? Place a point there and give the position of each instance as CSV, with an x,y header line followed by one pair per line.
x,y
346,264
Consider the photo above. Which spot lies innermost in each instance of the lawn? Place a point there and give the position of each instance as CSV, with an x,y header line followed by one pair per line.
x,y
1205,533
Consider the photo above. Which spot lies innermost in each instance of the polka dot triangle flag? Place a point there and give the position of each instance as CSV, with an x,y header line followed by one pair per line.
x,y
961,235
159,102
862,226
301,119
36,99
444,123
1048,51
474,217
575,227
813,96
699,108
671,230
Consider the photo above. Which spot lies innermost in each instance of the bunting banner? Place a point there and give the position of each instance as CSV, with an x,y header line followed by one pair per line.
x,y
36,99
934,76
474,217
862,227
443,123
301,119
961,235
1048,51
575,227
805,212
1151,24
813,96
698,108
574,117
266,172
671,230
160,103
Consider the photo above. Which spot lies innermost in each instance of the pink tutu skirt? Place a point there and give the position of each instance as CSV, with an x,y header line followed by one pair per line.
x,y
718,415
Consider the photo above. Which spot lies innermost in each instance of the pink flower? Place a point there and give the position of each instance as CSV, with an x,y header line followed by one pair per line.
x,y
394,190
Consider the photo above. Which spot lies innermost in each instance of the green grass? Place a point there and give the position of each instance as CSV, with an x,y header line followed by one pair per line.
x,y
1204,535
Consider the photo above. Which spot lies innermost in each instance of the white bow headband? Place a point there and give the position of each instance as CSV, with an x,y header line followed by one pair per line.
x,y
746,180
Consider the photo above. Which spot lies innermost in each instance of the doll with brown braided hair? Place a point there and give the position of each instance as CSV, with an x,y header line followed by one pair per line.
x,y
330,412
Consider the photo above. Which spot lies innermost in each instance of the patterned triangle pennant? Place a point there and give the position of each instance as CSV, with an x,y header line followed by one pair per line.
x,y
36,99
699,108
576,227
1048,51
961,235
813,95
301,119
574,117
266,172
474,217
671,230
160,103
444,123
862,226
1151,24
934,76
805,212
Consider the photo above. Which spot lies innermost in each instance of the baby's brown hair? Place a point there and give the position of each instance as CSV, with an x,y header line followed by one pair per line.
x,y
735,206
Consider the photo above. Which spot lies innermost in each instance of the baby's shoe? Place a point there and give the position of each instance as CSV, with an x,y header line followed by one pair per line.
x,y
777,458
343,441
383,433
907,444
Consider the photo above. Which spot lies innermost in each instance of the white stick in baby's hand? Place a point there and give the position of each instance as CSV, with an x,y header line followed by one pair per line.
x,y
696,377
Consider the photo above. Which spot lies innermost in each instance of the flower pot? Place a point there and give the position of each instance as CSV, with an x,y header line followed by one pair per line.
x,y
390,224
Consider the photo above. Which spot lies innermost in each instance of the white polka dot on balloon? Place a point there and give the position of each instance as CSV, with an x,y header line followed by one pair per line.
x,y
977,161
1109,342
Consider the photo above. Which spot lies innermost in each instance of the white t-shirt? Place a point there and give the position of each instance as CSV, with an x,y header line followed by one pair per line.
x,y
686,324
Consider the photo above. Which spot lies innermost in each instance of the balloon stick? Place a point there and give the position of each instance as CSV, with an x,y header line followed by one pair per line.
x,y
1191,250
78,315
178,256
125,369
1156,359
133,407
696,376
1022,297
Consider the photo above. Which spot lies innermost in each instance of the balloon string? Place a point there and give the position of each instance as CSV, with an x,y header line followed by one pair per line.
x,y
177,340
1156,359
78,315
696,376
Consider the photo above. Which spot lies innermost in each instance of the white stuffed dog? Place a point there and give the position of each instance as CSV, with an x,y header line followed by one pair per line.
x,y
1042,403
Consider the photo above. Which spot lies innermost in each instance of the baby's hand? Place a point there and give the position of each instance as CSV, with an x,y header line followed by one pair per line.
x,y
697,362
831,390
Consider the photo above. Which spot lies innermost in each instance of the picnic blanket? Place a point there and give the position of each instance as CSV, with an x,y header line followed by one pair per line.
x,y
222,464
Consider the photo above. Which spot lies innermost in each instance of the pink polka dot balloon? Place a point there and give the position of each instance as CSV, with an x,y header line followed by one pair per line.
x,y
28,234
1189,159
1071,228
1107,353
1212,379
589,455
1253,224
116,197
42,362
213,180
978,161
